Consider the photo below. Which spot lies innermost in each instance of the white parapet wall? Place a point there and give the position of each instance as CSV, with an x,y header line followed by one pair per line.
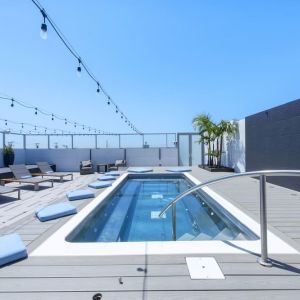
x,y
152,157
69,159
65,159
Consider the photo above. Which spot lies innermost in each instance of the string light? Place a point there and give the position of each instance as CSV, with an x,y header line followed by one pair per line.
x,y
43,32
36,110
79,68
12,102
81,63
52,117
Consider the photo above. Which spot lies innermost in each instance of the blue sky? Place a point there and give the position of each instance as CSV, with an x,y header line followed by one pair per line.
x,y
162,61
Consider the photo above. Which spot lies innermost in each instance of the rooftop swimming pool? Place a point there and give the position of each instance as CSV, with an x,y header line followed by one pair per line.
x,y
130,214
123,220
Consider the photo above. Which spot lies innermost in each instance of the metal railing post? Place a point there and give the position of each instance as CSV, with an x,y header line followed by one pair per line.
x,y
263,260
174,221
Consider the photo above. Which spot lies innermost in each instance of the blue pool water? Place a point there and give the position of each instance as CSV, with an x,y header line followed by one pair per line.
x,y
131,214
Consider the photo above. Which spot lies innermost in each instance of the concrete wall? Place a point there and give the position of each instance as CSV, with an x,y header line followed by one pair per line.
x,y
69,159
273,141
234,149
65,159
152,156
107,155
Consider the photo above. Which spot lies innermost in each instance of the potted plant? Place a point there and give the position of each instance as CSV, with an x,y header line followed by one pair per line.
x,y
212,136
8,155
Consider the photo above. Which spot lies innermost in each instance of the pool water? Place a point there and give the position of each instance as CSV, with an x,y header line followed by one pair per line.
x,y
130,214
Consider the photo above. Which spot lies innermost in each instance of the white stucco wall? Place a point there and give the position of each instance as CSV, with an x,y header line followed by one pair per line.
x,y
234,149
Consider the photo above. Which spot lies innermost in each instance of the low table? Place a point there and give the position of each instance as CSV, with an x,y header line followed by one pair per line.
x,y
105,166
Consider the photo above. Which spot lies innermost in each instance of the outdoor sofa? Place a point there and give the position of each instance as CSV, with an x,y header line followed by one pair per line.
x,y
86,167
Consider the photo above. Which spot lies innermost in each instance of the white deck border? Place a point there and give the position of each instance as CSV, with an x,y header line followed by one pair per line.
x,y
56,245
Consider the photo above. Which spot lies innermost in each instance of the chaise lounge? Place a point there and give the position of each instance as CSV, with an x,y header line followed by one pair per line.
x,y
6,190
22,175
46,170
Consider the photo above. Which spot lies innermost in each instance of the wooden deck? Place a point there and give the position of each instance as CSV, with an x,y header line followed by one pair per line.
x,y
149,277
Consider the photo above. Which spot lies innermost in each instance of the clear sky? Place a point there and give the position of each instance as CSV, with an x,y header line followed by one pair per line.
x,y
163,61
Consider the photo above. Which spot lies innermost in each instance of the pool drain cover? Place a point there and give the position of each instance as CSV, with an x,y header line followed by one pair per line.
x,y
204,268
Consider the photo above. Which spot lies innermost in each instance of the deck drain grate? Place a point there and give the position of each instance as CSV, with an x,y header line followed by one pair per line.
x,y
204,268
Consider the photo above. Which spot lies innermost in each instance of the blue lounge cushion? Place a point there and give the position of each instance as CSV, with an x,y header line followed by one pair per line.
x,y
55,211
179,169
11,248
140,170
80,194
113,173
25,176
106,178
99,184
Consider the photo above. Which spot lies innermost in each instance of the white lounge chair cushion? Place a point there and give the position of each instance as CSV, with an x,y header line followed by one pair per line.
x,y
55,211
11,248
140,170
99,184
179,169
80,194
106,178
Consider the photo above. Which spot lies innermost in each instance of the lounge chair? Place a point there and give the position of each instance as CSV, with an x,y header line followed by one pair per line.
x,y
118,163
47,171
6,190
22,175
86,167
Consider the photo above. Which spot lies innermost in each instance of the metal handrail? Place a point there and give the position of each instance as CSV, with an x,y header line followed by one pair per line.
x,y
263,260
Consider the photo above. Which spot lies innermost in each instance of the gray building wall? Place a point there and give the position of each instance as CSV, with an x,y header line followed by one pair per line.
x,y
273,141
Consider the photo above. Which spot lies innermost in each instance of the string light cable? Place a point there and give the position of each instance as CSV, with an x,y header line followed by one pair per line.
x,y
38,110
81,62
44,129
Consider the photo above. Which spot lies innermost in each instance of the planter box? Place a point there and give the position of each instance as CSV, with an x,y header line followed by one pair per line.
x,y
216,169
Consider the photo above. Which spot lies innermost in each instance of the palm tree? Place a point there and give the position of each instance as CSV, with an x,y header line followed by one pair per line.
x,y
212,135
206,129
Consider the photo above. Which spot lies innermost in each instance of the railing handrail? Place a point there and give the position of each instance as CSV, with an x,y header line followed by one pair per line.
x,y
263,260
227,177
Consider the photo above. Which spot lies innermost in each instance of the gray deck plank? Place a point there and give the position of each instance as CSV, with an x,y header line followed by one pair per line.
x,y
229,268
156,283
158,295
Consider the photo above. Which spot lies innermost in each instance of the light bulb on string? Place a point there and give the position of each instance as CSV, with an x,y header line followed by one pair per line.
x,y
5,122
43,32
12,102
98,88
79,68
52,117
36,111
66,121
